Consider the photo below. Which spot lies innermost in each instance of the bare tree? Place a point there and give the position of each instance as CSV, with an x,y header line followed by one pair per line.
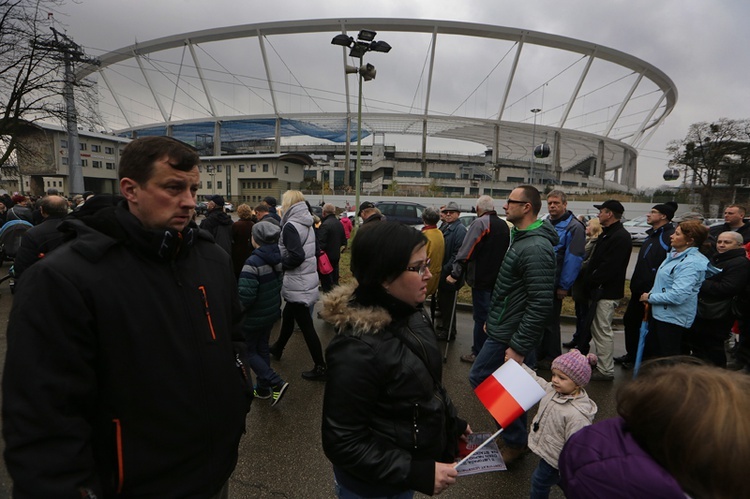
x,y
715,156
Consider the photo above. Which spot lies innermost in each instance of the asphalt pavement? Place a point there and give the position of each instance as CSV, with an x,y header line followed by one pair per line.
x,y
281,454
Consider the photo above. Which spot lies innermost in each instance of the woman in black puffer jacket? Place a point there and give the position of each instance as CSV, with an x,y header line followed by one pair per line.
x,y
389,427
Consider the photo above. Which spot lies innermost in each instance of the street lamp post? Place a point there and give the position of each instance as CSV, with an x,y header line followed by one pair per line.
x,y
365,43
533,145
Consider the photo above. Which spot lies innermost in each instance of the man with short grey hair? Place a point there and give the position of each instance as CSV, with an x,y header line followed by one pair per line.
x,y
479,259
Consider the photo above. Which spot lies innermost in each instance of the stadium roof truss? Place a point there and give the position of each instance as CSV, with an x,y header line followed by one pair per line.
x,y
472,83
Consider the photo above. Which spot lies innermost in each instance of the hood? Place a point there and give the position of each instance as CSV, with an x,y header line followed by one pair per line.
x,y
540,228
340,310
582,403
269,253
222,217
299,213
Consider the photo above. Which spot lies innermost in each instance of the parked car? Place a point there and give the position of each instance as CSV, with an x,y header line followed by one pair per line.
x,y
201,208
637,228
401,211
229,207
317,211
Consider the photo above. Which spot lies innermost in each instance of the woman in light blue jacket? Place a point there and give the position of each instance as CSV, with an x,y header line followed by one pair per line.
x,y
674,297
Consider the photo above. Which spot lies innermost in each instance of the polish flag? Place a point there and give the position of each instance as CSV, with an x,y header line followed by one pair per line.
x,y
509,392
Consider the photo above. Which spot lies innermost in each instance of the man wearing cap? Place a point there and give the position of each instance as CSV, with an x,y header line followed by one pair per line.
x,y
271,202
606,279
734,220
369,213
218,223
454,233
654,250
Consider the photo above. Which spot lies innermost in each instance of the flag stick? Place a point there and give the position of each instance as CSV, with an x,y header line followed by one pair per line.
x,y
493,437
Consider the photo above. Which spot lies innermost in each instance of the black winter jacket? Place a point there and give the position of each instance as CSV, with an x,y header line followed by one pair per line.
x,y
386,416
219,224
36,243
609,263
654,251
331,237
127,384
733,278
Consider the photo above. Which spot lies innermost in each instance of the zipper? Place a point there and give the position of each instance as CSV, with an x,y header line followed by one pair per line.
x,y
120,463
415,428
207,311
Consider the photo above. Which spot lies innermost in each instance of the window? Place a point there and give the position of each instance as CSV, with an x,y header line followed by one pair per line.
x,y
200,168
96,164
109,150
110,166
242,168
208,184
286,169
84,162
96,148
83,146
63,143
265,167
218,184
253,168
64,160
48,183
219,168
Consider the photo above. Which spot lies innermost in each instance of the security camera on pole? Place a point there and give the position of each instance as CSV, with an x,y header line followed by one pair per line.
x,y
365,43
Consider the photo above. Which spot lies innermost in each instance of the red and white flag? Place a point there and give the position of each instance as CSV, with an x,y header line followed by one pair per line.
x,y
509,392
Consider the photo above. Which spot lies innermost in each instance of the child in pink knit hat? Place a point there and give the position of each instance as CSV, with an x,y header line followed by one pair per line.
x,y
565,409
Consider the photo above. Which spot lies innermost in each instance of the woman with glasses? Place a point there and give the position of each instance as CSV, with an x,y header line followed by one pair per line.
x,y
389,427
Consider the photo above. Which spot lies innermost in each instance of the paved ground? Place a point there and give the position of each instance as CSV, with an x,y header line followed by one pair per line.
x,y
281,454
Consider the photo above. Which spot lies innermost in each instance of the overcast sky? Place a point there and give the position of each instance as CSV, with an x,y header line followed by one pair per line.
x,y
702,46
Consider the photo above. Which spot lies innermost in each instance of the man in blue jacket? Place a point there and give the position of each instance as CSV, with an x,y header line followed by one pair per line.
x,y
569,254
454,233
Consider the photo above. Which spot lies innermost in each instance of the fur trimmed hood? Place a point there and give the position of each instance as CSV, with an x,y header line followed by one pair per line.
x,y
340,310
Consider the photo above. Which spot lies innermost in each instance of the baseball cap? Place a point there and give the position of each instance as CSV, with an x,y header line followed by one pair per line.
x,y
364,206
218,200
270,200
612,205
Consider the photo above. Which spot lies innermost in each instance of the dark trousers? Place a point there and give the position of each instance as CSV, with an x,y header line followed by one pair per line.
x,y
632,321
706,339
543,479
300,313
480,302
446,298
328,281
551,346
664,339
582,311
259,359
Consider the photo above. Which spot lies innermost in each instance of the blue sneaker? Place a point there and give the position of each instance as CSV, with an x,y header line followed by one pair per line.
x,y
278,392
262,393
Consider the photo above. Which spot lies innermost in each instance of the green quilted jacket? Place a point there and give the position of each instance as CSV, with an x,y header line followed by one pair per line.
x,y
522,299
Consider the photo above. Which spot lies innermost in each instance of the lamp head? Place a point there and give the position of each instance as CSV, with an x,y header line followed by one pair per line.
x,y
380,46
366,35
342,40
359,49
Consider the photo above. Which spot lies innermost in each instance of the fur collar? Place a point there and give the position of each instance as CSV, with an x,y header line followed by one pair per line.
x,y
340,310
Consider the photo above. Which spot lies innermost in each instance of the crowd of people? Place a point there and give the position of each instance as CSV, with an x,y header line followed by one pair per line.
x,y
139,382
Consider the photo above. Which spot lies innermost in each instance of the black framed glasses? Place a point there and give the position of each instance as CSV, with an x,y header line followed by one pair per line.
x,y
420,269
511,201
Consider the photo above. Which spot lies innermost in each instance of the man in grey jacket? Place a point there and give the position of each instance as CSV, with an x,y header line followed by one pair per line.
x,y
453,235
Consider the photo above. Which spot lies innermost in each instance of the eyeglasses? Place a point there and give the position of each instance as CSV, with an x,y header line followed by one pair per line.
x,y
511,201
420,269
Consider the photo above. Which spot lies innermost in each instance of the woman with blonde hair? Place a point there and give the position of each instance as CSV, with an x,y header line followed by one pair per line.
x,y
300,285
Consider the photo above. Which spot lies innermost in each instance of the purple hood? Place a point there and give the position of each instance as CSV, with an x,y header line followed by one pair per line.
x,y
604,460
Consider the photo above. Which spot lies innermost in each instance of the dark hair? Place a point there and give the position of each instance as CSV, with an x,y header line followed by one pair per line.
x,y
381,252
138,157
262,208
698,233
739,207
531,195
693,420
54,206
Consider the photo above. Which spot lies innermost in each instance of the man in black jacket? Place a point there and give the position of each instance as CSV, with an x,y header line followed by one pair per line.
x,y
331,238
128,384
43,238
218,223
654,250
734,220
606,278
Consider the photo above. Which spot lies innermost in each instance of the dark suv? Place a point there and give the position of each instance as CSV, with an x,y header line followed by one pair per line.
x,y
401,211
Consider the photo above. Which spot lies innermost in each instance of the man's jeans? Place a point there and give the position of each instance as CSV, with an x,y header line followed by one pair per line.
x,y
490,357
480,301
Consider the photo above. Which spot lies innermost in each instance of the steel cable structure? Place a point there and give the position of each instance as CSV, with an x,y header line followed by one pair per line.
x,y
446,86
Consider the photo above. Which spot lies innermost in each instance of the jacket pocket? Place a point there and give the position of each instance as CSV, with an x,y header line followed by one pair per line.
x,y
207,311
119,463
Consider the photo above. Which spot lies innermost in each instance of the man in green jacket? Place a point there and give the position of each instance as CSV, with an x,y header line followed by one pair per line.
x,y
521,302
